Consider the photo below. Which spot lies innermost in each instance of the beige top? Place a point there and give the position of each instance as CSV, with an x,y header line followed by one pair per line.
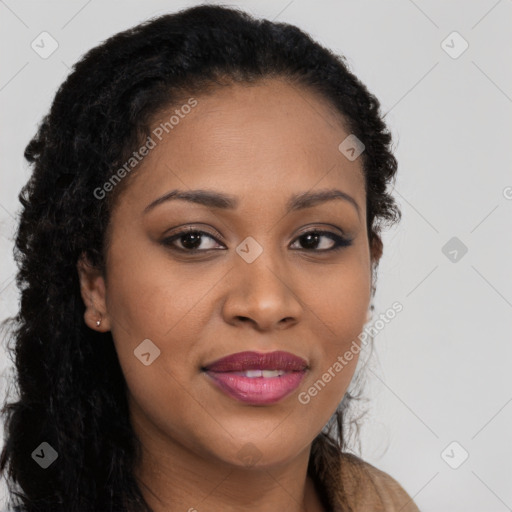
x,y
370,489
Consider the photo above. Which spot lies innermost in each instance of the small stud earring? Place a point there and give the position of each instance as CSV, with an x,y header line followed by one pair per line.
x,y
98,322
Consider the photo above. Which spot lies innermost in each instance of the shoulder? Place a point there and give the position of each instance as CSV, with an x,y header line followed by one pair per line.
x,y
369,488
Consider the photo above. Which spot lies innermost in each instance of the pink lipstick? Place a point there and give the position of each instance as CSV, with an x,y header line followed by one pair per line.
x,y
258,378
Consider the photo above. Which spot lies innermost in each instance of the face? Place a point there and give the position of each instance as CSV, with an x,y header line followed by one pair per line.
x,y
252,275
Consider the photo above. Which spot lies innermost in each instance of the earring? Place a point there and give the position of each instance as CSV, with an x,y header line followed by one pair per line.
x,y
98,322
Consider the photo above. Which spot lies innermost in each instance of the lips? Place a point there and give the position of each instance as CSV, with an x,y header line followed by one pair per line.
x,y
243,361
257,378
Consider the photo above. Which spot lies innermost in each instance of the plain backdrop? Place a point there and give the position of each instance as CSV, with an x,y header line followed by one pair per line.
x,y
440,383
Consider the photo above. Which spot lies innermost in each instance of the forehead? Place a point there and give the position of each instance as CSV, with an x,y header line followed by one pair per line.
x,y
268,139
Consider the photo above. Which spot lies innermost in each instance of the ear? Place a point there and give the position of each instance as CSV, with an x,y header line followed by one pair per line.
x,y
376,249
93,291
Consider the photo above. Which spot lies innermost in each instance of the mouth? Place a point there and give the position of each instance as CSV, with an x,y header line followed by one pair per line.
x,y
257,378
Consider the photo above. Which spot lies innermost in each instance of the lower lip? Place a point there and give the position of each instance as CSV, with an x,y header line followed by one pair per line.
x,y
257,390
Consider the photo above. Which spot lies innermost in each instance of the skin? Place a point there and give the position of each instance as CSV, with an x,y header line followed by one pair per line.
x,y
260,143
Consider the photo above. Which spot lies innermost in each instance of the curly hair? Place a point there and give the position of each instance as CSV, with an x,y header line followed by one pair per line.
x,y
72,392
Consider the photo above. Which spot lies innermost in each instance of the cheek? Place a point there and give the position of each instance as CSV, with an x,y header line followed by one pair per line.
x,y
150,297
150,300
340,303
154,302
339,312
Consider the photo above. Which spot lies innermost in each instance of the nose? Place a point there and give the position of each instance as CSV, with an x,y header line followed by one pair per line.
x,y
262,294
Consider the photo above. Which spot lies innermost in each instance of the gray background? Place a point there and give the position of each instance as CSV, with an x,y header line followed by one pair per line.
x,y
442,367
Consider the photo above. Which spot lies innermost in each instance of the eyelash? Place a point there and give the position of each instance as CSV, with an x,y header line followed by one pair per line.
x,y
339,241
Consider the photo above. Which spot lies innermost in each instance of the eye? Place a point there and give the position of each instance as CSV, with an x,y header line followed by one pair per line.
x,y
331,241
191,240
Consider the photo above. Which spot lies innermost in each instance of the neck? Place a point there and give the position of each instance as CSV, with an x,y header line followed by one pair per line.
x,y
174,478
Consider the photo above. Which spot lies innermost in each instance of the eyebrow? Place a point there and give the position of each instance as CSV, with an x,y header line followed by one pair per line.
x,y
212,199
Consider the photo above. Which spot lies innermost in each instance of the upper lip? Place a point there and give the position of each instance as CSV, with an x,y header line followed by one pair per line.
x,y
242,361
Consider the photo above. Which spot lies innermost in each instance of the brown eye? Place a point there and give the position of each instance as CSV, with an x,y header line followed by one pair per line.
x,y
312,239
191,240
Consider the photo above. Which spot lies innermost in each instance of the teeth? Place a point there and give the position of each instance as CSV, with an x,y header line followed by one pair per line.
x,y
252,373
263,373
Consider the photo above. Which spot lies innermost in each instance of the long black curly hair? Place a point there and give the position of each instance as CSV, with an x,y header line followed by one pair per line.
x,y
72,393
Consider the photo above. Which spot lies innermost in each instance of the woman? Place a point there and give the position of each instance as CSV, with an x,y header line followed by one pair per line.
x,y
198,249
